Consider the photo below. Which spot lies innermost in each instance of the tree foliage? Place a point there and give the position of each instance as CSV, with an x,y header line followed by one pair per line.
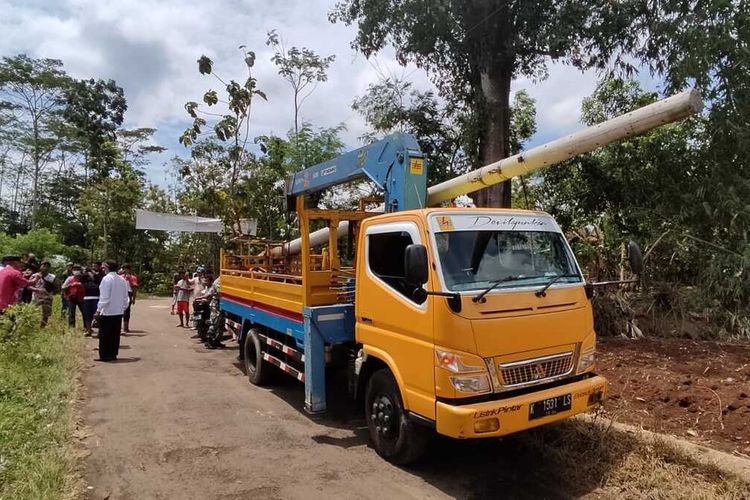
x,y
230,125
301,67
667,189
444,130
68,171
95,109
31,103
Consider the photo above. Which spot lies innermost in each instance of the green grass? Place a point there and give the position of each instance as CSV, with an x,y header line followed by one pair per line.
x,y
37,392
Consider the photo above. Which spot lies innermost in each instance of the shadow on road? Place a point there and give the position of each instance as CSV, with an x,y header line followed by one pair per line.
x,y
569,459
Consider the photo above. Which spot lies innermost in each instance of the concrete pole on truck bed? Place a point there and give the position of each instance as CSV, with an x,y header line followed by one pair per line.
x,y
669,110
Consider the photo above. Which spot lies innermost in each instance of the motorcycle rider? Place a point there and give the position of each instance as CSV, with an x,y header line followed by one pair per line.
x,y
202,309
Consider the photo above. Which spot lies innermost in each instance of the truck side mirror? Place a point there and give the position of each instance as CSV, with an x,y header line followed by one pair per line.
x,y
635,258
415,265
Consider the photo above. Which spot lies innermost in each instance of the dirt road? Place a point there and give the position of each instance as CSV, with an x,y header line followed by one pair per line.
x,y
171,419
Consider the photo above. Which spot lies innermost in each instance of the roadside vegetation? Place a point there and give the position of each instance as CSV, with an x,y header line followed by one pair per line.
x,y
37,392
621,464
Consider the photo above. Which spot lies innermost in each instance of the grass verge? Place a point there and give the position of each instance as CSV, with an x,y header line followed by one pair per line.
x,y
38,371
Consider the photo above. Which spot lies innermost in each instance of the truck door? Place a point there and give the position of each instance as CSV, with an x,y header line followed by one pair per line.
x,y
391,323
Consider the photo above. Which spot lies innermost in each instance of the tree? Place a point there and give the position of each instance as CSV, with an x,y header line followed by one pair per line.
x,y
393,105
96,108
136,144
522,128
669,190
109,207
31,100
474,48
232,127
204,189
443,130
302,68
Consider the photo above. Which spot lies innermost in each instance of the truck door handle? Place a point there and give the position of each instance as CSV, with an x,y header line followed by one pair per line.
x,y
366,321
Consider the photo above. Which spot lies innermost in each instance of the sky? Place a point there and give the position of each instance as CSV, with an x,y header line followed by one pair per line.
x,y
150,48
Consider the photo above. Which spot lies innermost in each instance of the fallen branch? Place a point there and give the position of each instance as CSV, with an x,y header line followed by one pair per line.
x,y
721,416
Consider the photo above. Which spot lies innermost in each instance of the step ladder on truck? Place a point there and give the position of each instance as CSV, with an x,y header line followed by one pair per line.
x,y
471,323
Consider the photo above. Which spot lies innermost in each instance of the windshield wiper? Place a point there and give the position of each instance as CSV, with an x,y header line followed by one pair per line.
x,y
494,285
542,292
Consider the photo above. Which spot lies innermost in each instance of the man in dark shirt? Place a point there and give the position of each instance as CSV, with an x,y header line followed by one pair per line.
x,y
97,273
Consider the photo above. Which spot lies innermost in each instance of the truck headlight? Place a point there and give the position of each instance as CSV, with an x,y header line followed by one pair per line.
x,y
459,363
471,383
586,361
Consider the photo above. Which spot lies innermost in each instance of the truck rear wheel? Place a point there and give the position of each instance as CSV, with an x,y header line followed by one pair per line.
x,y
393,435
257,371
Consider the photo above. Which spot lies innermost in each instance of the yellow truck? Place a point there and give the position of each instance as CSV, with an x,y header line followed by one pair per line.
x,y
471,323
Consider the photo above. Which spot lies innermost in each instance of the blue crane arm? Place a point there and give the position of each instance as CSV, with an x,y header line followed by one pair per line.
x,y
395,164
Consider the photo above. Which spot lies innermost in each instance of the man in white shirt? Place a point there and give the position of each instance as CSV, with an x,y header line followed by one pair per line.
x,y
113,300
197,284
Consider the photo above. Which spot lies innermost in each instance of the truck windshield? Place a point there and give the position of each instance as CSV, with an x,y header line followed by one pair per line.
x,y
472,260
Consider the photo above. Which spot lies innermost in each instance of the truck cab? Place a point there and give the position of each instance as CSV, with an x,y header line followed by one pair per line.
x,y
474,322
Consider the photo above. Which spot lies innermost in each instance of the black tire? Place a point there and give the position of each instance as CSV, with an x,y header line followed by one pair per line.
x,y
393,435
257,371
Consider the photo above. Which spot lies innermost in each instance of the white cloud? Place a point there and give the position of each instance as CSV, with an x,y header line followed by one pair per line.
x,y
150,48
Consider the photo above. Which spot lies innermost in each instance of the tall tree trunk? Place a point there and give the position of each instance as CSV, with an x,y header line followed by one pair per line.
x,y
494,139
35,179
296,115
489,39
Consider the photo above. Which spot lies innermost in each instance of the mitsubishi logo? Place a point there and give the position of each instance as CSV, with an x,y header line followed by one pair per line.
x,y
537,372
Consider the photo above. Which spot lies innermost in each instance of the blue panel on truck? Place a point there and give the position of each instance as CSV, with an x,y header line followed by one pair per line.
x,y
323,325
256,313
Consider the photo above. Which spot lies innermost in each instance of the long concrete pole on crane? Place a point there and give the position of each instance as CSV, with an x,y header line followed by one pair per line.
x,y
667,110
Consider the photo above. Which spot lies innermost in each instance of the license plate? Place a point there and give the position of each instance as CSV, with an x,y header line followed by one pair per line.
x,y
551,406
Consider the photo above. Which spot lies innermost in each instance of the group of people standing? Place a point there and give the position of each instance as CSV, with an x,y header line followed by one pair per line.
x,y
104,293
23,279
185,289
81,292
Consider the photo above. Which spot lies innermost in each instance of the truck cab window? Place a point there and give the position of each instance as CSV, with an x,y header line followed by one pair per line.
x,y
385,256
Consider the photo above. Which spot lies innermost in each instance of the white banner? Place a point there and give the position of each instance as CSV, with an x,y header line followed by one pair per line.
x,y
180,223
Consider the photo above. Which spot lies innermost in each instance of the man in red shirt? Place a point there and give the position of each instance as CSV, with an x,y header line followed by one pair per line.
x,y
11,281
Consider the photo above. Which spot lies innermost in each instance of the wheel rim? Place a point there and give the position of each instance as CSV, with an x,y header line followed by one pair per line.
x,y
384,416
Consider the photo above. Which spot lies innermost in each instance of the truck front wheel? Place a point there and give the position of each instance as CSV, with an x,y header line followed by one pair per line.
x,y
393,435
257,371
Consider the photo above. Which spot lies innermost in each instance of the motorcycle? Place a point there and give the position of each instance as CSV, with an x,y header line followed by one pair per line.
x,y
201,318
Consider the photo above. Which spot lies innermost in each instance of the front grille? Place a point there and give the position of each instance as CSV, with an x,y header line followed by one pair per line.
x,y
537,370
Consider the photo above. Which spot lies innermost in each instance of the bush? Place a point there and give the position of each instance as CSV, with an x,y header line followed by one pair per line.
x,y
17,324
155,283
43,243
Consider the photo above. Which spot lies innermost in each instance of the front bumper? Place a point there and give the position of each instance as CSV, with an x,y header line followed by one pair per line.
x,y
513,412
